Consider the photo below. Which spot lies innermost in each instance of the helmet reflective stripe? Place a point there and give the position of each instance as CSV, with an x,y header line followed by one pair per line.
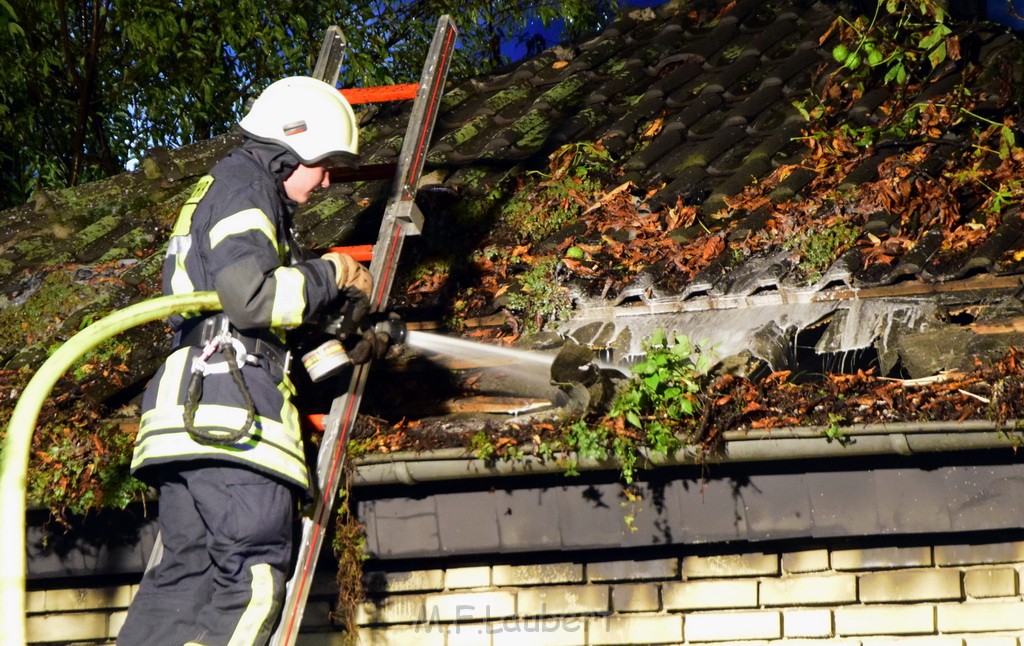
x,y
306,116
289,297
247,220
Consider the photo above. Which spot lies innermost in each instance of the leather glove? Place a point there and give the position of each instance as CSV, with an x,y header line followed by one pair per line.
x,y
348,272
371,345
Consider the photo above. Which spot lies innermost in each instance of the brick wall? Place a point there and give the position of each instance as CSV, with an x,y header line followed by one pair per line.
x,y
950,595
958,595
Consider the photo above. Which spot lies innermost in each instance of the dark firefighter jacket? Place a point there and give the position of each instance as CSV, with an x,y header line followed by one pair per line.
x,y
233,236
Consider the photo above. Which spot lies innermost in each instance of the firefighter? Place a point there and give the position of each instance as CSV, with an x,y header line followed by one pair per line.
x,y
219,435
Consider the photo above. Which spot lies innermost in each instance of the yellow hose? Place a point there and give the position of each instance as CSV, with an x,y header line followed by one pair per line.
x,y
18,444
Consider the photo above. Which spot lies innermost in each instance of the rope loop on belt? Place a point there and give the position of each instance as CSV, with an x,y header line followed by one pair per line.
x,y
228,346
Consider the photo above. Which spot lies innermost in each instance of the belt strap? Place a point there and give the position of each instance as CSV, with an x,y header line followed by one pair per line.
x,y
200,332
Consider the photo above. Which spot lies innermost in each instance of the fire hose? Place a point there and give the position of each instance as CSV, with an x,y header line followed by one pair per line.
x,y
18,442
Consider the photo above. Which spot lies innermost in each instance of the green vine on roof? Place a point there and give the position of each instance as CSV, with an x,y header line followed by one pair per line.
x,y
909,41
658,409
907,38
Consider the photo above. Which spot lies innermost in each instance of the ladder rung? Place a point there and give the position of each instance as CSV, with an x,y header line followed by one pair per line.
x,y
366,173
380,93
360,252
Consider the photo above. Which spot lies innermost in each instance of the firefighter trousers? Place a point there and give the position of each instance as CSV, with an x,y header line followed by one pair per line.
x,y
227,535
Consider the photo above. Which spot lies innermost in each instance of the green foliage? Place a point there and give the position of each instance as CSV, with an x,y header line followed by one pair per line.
x,y
86,87
82,465
906,39
901,44
663,391
350,550
834,430
539,298
819,248
483,447
656,409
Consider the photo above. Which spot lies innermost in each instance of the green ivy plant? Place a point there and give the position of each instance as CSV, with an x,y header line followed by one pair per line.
x,y
908,40
657,409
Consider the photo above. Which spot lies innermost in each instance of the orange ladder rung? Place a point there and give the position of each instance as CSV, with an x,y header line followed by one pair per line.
x,y
380,93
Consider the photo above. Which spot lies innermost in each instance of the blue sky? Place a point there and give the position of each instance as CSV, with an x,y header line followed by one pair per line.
x,y
552,34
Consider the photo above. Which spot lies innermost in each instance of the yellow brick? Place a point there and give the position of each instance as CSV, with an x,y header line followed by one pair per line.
x,y
468,635
636,597
692,595
540,631
401,636
885,620
981,617
730,565
979,554
470,606
35,601
115,621
88,599
563,599
67,627
806,561
722,626
807,623
633,570
809,590
413,581
507,575
991,640
397,609
910,585
931,640
467,577
881,558
985,583
635,629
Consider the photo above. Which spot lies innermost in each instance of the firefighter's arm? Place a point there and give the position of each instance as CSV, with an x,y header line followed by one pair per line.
x,y
255,289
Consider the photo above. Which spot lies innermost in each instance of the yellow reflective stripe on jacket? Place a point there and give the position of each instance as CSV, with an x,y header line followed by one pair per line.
x,y
184,222
261,604
180,282
174,367
246,220
289,298
273,446
181,241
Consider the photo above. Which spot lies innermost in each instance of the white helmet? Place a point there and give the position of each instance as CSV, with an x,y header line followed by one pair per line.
x,y
309,118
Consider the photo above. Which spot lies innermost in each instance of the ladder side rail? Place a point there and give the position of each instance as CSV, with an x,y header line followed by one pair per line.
x,y
344,409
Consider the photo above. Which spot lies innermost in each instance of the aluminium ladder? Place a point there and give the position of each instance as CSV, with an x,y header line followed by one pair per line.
x,y
401,218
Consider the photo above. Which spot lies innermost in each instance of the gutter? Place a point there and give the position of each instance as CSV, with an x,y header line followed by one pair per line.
x,y
790,443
